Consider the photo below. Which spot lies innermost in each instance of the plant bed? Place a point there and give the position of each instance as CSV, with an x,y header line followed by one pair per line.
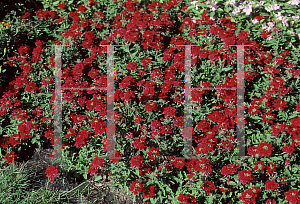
x,y
149,109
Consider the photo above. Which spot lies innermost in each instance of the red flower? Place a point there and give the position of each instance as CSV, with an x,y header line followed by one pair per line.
x,y
52,172
228,169
47,80
10,157
270,202
292,196
203,125
92,2
84,24
61,5
81,139
150,106
96,163
81,8
178,163
265,149
259,166
208,186
188,199
145,62
116,158
137,161
139,143
271,168
132,66
136,187
149,194
271,185
245,176
289,148
155,124
259,17
265,34
250,195
26,15
169,111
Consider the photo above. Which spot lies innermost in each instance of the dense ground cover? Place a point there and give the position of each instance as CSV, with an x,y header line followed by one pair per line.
x,y
149,96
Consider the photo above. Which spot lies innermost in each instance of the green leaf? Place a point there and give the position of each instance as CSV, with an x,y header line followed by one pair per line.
x,y
232,183
56,3
227,69
277,159
256,118
98,178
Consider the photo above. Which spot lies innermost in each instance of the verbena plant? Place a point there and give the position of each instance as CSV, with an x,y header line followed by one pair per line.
x,y
149,99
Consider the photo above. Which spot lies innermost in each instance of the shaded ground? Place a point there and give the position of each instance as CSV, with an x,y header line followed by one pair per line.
x,y
40,161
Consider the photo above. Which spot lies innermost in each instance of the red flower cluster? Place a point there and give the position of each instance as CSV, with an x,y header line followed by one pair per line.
x,y
98,125
81,8
263,149
96,163
148,191
187,199
10,157
250,195
52,173
289,148
46,14
117,157
145,62
132,66
136,187
208,186
245,176
229,169
61,5
206,145
26,15
292,196
137,161
259,166
150,106
139,143
169,111
271,185
81,139
178,163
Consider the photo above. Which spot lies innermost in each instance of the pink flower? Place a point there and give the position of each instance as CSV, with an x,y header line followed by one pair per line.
x,y
254,21
247,9
195,4
294,2
273,7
